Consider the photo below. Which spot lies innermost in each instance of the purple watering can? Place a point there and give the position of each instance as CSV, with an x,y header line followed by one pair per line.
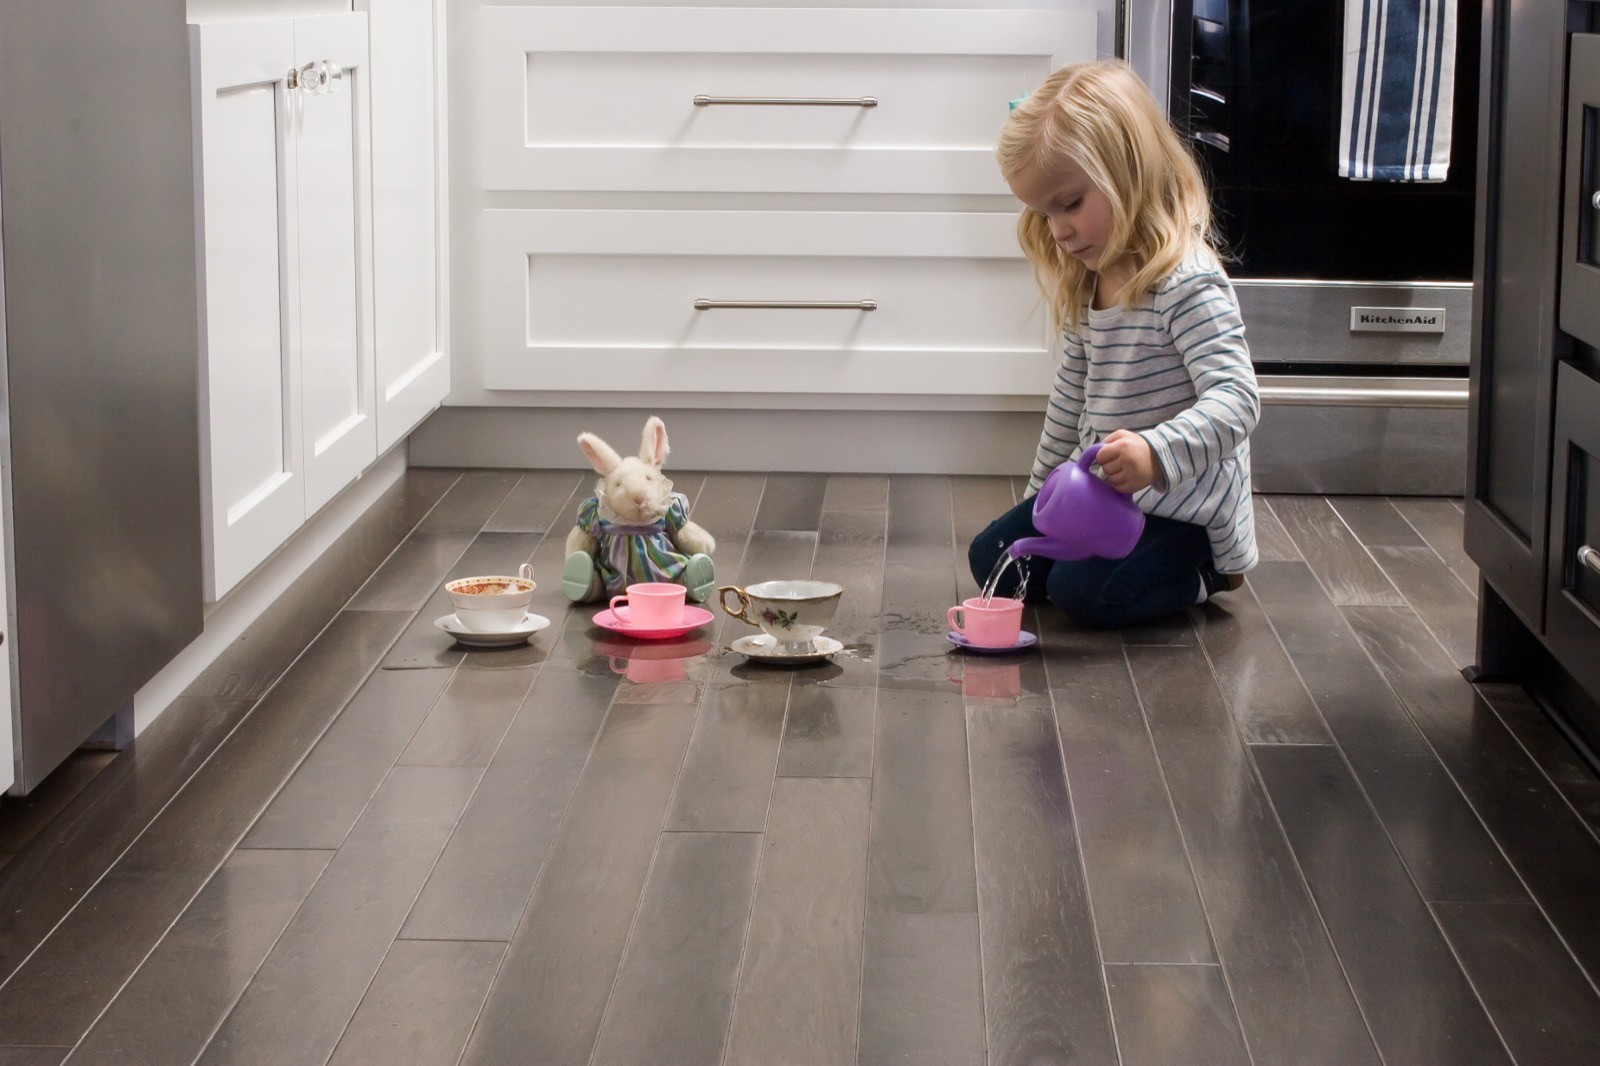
x,y
1081,515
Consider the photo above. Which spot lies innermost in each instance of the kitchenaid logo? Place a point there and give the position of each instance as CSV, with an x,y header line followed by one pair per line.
x,y
1397,319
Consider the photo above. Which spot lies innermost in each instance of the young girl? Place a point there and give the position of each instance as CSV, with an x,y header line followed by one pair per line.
x,y
1155,368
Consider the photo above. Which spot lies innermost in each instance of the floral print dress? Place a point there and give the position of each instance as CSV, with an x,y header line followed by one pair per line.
x,y
626,554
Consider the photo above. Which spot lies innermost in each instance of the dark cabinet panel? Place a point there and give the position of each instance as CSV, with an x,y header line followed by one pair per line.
x,y
1572,621
1514,302
1580,256
1533,512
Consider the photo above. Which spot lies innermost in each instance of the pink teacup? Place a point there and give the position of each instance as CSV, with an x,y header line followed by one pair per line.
x,y
995,624
652,605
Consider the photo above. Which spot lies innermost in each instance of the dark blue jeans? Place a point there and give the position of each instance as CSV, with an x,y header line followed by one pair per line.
x,y
1160,576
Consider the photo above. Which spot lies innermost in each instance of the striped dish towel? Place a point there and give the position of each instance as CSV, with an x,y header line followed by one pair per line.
x,y
1399,81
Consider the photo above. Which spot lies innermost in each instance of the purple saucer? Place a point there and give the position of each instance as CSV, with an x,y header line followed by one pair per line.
x,y
1024,640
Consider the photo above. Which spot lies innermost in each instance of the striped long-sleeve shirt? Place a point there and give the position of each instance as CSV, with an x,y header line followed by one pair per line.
x,y
1175,369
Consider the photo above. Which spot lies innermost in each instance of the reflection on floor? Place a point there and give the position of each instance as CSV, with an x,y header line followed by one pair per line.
x,y
1281,828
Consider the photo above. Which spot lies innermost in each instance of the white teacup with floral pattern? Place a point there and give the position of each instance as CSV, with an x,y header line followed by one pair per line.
x,y
793,613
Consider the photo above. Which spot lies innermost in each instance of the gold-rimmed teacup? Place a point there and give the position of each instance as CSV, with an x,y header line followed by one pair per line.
x,y
792,613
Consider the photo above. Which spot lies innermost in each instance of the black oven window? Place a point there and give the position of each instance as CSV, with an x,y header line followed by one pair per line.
x,y
1256,86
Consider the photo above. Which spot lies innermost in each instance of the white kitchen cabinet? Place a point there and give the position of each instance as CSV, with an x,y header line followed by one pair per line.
x,y
412,368
284,181
762,199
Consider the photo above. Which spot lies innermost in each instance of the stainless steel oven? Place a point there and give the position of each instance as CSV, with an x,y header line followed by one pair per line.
x,y
1356,295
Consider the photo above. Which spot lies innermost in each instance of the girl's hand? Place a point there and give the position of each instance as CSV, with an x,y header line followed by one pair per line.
x,y
1129,463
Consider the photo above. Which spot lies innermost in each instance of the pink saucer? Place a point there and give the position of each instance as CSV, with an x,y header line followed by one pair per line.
x,y
617,621
1024,640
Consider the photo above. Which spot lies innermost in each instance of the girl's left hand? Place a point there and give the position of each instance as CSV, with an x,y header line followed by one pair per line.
x,y
1128,462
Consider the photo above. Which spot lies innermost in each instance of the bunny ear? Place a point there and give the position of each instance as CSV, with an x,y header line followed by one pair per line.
x,y
602,455
653,446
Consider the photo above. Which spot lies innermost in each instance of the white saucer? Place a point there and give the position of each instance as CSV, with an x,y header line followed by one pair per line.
x,y
517,634
762,648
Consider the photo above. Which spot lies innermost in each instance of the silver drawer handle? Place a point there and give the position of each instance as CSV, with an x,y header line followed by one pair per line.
x,y
789,305
787,101
1596,200
1590,558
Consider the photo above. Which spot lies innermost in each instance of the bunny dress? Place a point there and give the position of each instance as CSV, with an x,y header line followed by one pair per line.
x,y
627,554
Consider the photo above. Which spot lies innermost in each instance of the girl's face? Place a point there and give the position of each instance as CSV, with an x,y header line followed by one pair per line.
x,y
1079,213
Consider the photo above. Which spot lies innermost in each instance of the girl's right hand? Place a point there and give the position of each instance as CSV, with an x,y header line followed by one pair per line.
x,y
1128,461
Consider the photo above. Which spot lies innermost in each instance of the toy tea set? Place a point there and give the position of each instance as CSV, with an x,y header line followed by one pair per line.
x,y
634,542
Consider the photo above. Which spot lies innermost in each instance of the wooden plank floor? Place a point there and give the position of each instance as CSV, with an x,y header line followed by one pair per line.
x,y
1279,829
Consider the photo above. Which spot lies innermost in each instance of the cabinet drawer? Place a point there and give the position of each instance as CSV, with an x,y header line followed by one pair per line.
x,y
1580,245
603,98
606,300
1572,621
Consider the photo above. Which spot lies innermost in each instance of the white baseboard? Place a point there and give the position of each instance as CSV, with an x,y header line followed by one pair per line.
x,y
229,617
1297,449
840,442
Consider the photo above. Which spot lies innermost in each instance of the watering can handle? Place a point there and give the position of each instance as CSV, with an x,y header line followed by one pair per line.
x,y
1047,490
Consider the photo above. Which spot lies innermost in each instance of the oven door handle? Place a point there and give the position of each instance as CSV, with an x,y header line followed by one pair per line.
x,y
1442,395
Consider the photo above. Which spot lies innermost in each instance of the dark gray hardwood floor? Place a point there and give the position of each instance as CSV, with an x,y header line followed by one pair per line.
x,y
1279,829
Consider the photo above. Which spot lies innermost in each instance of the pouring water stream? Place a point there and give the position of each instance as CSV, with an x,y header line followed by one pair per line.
x,y
1001,565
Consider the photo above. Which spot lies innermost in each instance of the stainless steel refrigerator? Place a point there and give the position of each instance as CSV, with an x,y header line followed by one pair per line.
x,y
101,360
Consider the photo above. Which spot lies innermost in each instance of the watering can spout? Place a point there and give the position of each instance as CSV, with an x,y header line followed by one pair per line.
x,y
1045,548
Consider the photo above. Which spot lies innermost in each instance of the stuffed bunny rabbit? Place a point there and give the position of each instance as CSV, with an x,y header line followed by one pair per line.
x,y
635,528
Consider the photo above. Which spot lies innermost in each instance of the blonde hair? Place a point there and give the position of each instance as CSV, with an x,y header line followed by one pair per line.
x,y
1100,117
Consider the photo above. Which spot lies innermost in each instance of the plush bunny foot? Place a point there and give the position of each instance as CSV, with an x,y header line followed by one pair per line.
x,y
699,578
579,578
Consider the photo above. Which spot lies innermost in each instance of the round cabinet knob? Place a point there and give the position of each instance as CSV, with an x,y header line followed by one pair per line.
x,y
322,77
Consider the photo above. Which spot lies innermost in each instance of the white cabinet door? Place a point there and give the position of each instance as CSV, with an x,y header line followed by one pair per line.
x,y
285,242
334,174
413,370
251,464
